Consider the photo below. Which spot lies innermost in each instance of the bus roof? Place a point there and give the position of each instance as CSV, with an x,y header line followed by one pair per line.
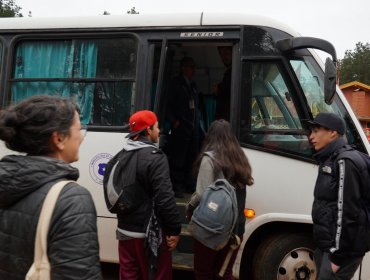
x,y
141,20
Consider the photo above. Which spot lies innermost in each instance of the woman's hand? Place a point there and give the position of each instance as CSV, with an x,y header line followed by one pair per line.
x,y
189,212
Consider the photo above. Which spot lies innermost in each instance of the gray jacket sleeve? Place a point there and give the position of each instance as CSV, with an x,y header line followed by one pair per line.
x,y
204,179
73,247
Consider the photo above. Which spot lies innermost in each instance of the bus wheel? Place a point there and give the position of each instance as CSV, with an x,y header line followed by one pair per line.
x,y
285,256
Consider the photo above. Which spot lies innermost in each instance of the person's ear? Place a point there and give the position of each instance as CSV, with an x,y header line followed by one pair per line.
x,y
57,140
334,134
148,131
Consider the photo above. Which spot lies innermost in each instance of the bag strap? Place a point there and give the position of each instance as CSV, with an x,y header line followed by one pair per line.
x,y
44,222
212,157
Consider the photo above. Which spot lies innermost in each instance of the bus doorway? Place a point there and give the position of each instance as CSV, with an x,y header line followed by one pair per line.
x,y
192,83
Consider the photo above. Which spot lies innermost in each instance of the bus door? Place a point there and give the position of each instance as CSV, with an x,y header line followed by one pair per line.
x,y
210,72
165,58
214,79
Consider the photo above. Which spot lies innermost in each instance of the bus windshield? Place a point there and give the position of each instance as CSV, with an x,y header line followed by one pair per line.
x,y
312,84
311,79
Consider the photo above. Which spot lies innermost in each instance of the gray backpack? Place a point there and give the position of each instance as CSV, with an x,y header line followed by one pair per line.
x,y
215,217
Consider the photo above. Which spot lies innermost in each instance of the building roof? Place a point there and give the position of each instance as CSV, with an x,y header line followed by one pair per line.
x,y
356,85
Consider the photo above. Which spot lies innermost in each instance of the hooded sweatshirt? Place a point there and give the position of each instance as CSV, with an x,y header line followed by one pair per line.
x,y
152,174
73,248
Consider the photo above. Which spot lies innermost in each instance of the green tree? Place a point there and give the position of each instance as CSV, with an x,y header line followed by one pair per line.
x,y
132,11
355,66
8,8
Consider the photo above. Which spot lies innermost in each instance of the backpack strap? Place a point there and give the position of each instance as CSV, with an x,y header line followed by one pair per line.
x,y
357,158
41,265
211,155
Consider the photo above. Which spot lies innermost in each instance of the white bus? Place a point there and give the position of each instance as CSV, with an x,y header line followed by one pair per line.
x,y
115,65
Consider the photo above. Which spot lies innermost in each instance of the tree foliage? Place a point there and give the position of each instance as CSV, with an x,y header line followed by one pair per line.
x,y
133,11
355,66
8,8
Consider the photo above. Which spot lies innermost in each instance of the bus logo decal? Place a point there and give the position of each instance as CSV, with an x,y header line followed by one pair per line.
x,y
97,167
201,34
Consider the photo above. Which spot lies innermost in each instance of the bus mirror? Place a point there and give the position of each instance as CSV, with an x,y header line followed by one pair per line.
x,y
330,81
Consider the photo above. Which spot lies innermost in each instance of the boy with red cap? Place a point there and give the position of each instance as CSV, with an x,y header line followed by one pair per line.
x,y
149,233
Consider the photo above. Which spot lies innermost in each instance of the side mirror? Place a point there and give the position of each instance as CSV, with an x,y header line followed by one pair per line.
x,y
330,81
290,44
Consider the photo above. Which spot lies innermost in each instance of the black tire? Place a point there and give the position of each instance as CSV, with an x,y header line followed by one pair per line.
x,y
285,256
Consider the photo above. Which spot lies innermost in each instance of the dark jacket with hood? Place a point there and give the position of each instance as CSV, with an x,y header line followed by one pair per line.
x,y
152,174
339,218
73,248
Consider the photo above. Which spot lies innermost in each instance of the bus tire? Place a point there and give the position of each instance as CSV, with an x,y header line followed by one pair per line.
x,y
285,256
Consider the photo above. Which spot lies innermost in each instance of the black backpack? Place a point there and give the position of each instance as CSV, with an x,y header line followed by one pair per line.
x,y
122,192
347,153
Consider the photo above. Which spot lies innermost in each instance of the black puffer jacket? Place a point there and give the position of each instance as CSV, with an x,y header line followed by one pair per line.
x,y
73,248
340,224
152,174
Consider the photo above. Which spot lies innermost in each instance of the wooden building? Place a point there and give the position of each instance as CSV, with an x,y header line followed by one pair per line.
x,y
358,96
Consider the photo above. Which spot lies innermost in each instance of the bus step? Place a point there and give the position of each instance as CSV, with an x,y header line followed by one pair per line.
x,y
181,204
182,261
186,242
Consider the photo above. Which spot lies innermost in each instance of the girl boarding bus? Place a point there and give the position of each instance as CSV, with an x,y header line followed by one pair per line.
x,y
115,65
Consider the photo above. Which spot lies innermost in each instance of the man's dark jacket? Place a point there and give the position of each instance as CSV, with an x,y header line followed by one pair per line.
x,y
340,224
152,174
73,248
224,96
179,94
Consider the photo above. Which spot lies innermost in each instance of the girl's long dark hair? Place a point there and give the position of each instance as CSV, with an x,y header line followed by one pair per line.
x,y
228,155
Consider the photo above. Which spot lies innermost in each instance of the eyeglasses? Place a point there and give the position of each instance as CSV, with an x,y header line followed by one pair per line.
x,y
83,130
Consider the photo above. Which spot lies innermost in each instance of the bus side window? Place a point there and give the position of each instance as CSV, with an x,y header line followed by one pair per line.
x,y
274,121
56,67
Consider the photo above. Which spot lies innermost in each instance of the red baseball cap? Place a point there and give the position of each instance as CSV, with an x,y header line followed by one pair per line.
x,y
140,121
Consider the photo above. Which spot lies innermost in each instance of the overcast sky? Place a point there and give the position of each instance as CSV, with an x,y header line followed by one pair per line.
x,y
342,22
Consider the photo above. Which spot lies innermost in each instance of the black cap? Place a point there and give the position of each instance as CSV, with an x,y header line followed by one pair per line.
x,y
330,121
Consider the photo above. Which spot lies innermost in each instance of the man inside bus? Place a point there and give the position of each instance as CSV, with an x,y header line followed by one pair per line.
x,y
339,219
223,89
186,133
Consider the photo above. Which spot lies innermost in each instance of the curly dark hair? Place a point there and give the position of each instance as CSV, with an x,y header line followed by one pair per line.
x,y
28,126
228,155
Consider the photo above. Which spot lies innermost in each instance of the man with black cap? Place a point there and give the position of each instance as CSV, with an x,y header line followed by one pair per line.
x,y
149,232
338,216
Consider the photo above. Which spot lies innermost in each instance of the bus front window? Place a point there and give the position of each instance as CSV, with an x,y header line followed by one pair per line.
x,y
312,84
272,120
311,79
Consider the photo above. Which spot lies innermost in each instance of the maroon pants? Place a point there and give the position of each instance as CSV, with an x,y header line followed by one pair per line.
x,y
134,263
208,262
